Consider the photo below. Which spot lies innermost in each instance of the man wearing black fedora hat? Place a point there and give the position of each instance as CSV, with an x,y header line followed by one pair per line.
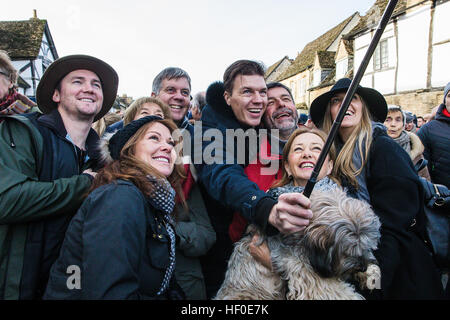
x,y
47,163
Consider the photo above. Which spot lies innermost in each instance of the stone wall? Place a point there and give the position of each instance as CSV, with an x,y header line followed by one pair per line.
x,y
418,102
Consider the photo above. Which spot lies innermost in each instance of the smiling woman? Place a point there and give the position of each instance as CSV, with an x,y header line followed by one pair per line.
x,y
377,170
122,239
300,156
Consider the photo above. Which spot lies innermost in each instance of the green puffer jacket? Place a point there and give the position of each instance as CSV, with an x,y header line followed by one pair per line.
x,y
24,199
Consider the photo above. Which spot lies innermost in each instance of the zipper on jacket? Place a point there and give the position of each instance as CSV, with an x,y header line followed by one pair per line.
x,y
12,144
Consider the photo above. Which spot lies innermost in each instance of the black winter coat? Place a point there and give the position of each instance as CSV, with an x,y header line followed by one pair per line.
x,y
118,241
435,136
396,195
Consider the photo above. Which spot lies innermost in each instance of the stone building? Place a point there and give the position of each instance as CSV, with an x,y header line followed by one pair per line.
x,y
409,67
411,64
301,75
275,70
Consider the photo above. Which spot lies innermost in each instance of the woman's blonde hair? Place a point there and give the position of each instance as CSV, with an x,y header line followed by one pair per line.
x,y
136,106
108,119
361,136
285,179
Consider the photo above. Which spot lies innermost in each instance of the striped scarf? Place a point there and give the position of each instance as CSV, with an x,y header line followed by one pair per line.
x,y
13,105
404,141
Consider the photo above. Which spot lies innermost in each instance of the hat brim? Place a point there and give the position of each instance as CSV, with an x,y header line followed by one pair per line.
x,y
374,100
61,67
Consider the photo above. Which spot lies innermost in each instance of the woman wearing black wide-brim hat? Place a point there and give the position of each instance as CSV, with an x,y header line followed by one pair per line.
x,y
376,169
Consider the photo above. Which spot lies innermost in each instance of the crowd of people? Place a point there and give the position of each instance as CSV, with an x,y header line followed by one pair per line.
x,y
149,205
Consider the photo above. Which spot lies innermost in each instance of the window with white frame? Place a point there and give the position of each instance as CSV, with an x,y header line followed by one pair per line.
x,y
341,68
302,86
317,77
381,56
293,88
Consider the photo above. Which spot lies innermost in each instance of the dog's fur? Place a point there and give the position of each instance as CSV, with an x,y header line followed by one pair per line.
x,y
314,264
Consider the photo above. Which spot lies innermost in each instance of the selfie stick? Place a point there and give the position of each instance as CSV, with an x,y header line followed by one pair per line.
x,y
348,96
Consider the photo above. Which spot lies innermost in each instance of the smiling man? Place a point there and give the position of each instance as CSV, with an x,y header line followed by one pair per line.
x,y
173,87
236,104
196,235
47,162
281,112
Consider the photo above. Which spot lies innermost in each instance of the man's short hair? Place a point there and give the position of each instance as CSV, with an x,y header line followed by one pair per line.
x,y
169,74
280,85
241,67
200,100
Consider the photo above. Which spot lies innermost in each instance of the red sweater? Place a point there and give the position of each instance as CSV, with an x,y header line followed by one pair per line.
x,y
264,181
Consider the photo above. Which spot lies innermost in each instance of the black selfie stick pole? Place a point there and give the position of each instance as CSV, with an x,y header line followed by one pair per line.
x,y
348,96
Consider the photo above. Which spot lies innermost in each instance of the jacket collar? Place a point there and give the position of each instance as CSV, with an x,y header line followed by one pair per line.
x,y
54,122
440,114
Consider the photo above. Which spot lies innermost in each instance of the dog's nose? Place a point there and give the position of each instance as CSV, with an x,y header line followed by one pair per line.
x,y
362,265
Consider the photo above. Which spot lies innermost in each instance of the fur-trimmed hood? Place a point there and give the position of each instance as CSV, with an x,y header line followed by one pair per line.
x,y
103,147
417,147
216,100
217,110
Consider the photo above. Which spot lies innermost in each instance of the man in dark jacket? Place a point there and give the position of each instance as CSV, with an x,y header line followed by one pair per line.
x,y
46,164
173,87
280,118
194,230
235,105
435,136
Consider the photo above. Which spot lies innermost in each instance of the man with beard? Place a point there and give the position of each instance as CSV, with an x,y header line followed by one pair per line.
x,y
281,113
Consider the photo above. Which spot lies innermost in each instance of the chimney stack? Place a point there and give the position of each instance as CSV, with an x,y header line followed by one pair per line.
x,y
35,14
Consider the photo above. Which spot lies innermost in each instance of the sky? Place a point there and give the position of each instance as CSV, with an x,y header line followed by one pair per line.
x,y
140,38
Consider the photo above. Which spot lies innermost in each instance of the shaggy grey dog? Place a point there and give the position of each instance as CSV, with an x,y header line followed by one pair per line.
x,y
335,247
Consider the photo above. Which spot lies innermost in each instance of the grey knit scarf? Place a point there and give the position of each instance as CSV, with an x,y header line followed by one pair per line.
x,y
404,141
324,184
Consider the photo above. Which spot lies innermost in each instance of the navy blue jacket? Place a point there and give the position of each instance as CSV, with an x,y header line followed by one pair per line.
x,y
227,183
435,136
61,159
225,187
119,242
